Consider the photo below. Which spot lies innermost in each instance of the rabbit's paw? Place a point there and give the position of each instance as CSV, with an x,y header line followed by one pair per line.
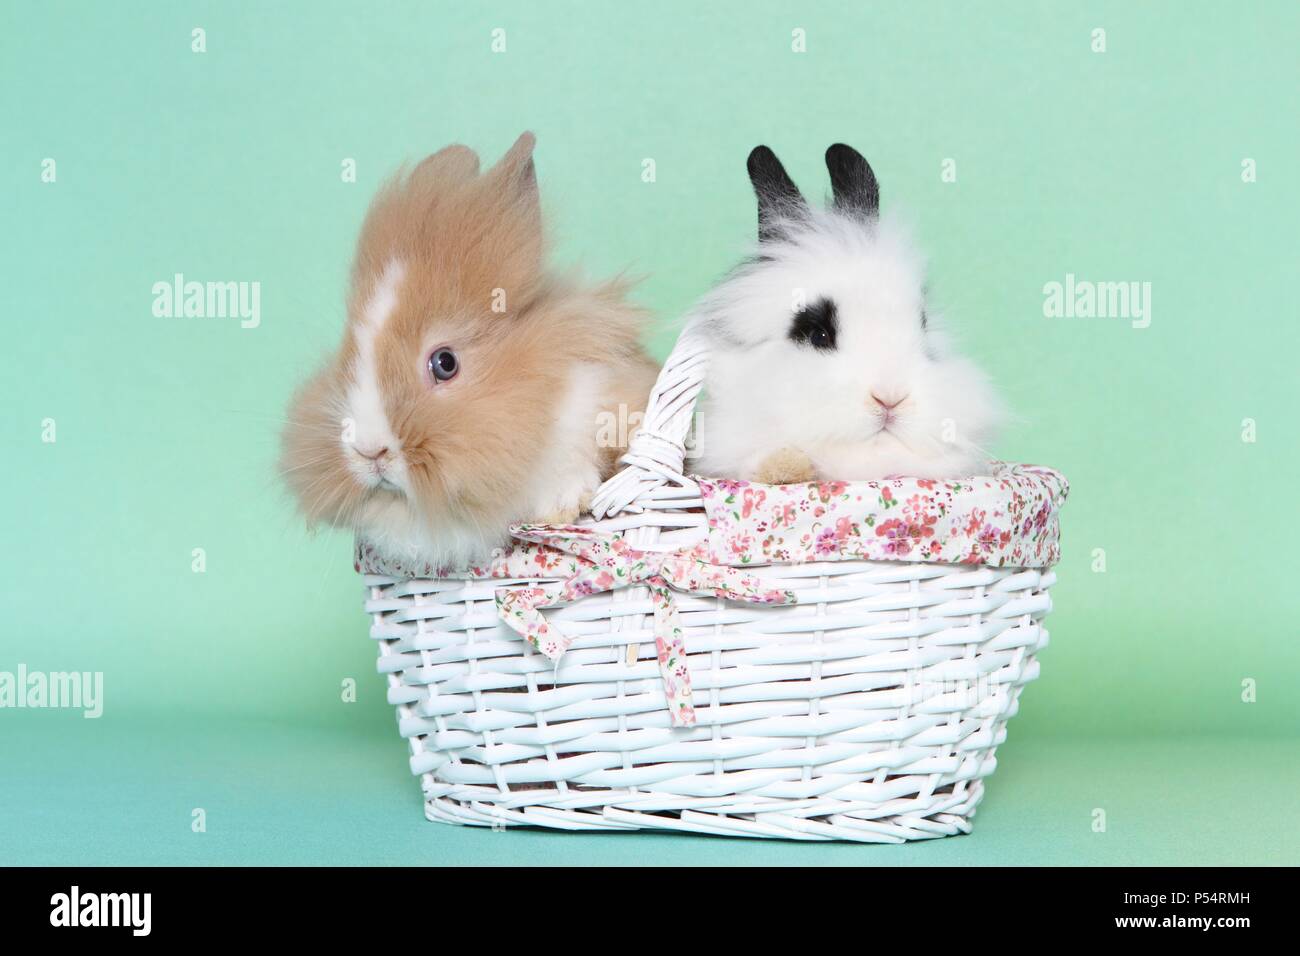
x,y
561,516
573,499
785,467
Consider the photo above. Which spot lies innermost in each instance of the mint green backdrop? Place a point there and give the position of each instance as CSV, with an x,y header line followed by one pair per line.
x,y
222,688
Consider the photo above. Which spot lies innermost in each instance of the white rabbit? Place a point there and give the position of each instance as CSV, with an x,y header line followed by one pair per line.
x,y
824,359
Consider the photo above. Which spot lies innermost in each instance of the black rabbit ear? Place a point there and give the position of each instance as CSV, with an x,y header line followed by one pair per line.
x,y
853,184
778,197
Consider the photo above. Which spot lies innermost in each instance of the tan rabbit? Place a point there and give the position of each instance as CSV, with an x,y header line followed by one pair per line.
x,y
472,384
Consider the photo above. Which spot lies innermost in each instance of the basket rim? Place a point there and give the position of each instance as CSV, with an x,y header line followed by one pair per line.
x,y
1007,518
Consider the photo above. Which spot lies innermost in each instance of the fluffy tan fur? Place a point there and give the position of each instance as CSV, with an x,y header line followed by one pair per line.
x,y
470,445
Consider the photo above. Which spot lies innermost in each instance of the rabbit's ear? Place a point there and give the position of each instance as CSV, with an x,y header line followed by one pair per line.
x,y
853,184
505,235
778,197
455,162
515,172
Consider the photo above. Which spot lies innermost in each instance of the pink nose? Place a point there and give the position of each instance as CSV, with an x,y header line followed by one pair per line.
x,y
888,406
375,455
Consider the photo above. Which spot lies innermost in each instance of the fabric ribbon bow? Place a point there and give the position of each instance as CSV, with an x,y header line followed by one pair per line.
x,y
616,564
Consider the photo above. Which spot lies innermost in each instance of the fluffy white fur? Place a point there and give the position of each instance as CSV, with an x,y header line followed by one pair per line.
x,y
568,475
766,393
364,406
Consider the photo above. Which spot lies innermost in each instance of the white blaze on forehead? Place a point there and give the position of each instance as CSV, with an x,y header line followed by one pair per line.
x,y
365,401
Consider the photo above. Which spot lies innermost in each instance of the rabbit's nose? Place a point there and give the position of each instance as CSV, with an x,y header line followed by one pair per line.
x,y
886,403
372,454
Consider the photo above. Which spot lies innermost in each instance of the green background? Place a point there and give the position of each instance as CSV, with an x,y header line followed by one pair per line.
x,y
222,688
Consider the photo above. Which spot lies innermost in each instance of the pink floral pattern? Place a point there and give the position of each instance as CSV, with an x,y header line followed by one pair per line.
x,y
609,563
1006,519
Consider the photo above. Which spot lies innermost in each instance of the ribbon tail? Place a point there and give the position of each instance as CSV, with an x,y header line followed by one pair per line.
x,y
672,656
519,609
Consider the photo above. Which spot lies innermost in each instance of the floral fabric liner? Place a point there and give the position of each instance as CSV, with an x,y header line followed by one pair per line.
x,y
1009,518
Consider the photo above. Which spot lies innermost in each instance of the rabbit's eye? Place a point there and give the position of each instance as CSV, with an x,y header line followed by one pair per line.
x,y
443,365
816,325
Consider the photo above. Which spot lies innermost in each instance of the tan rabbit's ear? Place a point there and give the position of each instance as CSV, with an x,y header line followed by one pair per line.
x,y
451,163
454,160
516,176
511,217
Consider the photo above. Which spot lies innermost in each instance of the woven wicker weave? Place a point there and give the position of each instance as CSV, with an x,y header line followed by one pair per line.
x,y
869,711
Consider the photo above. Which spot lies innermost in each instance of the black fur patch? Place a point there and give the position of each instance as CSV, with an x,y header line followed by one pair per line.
x,y
853,184
778,197
817,325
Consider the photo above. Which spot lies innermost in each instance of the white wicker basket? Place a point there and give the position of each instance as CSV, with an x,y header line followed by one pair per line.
x,y
869,710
